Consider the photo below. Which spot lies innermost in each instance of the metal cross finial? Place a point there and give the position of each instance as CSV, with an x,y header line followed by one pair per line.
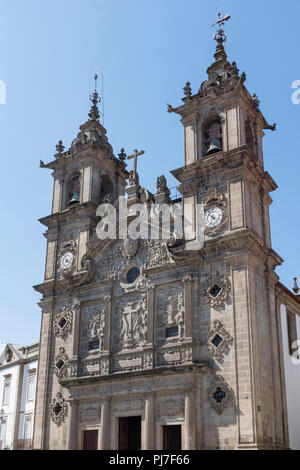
x,y
220,35
96,78
136,153
95,99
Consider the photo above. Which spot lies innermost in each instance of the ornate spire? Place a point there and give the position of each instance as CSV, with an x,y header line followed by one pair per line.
x,y
296,288
94,114
220,37
59,147
122,155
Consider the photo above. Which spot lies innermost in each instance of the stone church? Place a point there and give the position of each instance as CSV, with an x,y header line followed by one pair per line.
x,y
148,344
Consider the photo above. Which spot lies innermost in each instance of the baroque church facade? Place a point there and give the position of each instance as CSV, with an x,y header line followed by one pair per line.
x,y
150,344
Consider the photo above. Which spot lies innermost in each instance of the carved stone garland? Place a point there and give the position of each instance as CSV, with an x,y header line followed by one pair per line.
x,y
97,328
218,340
215,199
62,364
133,324
58,409
220,395
141,283
174,316
216,290
62,324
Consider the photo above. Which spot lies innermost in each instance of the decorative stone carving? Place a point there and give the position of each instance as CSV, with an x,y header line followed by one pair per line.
x,y
129,248
141,283
133,316
218,340
61,364
170,407
91,367
161,186
58,409
67,258
220,395
62,324
186,355
216,290
148,360
215,200
158,254
187,90
133,361
73,368
169,314
97,328
104,366
174,316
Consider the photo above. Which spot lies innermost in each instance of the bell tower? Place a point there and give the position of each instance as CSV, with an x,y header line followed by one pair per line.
x,y
85,175
224,172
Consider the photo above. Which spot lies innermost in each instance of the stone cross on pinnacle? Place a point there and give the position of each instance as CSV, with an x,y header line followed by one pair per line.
x,y
135,155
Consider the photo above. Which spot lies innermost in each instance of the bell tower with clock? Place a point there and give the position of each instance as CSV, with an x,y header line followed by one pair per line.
x,y
85,176
224,171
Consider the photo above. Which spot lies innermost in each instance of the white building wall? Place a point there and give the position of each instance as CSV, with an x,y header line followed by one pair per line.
x,y
27,405
292,377
9,409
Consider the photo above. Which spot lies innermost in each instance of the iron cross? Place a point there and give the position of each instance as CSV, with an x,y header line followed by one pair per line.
x,y
135,154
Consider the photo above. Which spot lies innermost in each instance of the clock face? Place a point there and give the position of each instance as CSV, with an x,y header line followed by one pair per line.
x,y
213,217
67,260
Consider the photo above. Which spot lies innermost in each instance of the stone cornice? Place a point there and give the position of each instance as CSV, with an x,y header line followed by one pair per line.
x,y
72,213
84,157
120,376
234,163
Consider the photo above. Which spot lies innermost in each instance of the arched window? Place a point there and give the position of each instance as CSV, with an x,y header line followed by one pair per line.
x,y
107,189
73,190
212,136
250,139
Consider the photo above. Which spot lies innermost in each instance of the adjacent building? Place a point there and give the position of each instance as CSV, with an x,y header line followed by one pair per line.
x,y
18,375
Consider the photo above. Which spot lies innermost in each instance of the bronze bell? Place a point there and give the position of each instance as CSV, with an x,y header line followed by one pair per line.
x,y
74,199
214,146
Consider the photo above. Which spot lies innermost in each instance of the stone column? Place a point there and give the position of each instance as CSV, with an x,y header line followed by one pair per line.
x,y
42,397
189,421
107,302
72,425
149,441
104,441
75,337
150,306
188,317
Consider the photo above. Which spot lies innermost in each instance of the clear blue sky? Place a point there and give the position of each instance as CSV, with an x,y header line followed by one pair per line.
x,y
148,49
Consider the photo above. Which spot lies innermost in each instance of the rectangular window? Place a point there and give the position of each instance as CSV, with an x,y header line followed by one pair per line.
x,y
93,345
27,427
30,388
6,390
172,332
292,332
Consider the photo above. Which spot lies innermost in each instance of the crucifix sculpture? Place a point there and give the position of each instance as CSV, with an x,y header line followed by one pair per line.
x,y
135,155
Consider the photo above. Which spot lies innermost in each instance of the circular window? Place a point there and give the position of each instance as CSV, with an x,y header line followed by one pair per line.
x,y
132,275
